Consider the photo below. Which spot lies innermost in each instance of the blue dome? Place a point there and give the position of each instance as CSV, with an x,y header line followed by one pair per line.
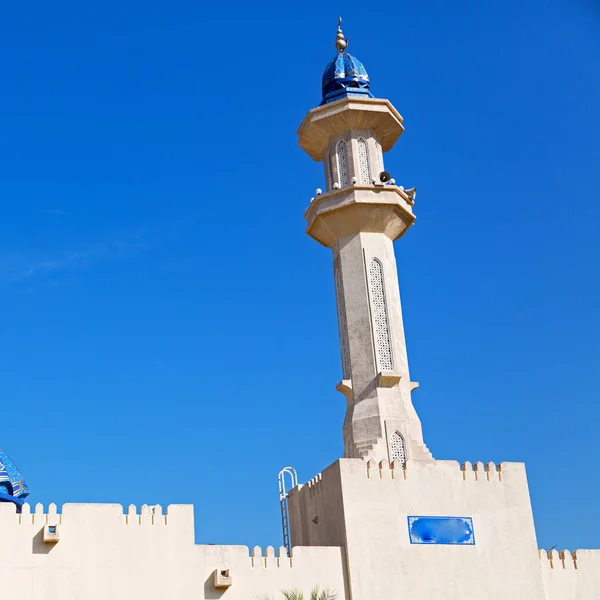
x,y
345,76
12,485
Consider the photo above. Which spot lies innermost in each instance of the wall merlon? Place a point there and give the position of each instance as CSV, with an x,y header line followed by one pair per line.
x,y
147,515
467,471
315,485
271,558
567,560
385,470
8,512
490,471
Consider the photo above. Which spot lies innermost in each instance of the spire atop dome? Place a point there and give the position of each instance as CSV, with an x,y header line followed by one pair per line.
x,y
340,42
345,76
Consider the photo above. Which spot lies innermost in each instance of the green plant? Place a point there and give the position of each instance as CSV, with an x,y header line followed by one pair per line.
x,y
316,594
322,595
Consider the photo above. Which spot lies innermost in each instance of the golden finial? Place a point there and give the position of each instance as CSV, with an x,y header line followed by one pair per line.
x,y
340,42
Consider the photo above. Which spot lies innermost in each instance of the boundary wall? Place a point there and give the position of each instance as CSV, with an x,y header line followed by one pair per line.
x,y
350,535
365,509
100,551
571,575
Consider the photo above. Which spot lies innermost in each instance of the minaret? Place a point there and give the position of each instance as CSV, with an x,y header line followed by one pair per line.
x,y
359,216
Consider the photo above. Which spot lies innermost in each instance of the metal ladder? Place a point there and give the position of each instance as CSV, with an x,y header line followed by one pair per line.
x,y
283,503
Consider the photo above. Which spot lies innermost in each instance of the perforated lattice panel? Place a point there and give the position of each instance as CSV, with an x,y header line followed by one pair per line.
x,y
381,328
341,151
364,169
342,326
397,447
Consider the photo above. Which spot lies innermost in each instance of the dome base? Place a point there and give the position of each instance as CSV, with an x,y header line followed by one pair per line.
x,y
348,92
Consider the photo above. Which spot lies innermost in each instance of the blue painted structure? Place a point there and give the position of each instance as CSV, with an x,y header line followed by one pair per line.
x,y
441,530
345,77
12,485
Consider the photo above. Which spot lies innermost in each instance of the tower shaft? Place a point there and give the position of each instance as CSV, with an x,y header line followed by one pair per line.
x,y
376,379
359,217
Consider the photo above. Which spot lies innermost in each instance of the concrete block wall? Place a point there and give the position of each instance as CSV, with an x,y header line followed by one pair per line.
x,y
106,552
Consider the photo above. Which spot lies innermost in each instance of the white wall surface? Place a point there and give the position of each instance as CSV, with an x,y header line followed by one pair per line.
x,y
365,508
105,554
571,575
357,510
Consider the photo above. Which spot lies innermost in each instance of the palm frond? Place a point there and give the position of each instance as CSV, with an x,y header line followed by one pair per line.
x,y
318,594
292,595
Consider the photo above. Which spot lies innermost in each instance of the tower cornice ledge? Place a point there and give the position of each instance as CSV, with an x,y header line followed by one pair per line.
x,y
372,114
370,209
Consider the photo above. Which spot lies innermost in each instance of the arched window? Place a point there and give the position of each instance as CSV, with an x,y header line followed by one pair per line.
x,y
341,308
381,330
397,448
364,169
328,172
341,151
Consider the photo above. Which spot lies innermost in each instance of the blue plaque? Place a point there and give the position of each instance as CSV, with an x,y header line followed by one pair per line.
x,y
441,530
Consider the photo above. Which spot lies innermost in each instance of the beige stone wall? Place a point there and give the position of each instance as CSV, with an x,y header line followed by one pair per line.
x,y
103,553
352,510
571,575
372,520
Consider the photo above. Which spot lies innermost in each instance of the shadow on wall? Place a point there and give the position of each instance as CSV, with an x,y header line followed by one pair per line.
x,y
38,546
210,593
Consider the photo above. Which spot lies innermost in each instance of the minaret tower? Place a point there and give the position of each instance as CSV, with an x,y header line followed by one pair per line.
x,y
359,216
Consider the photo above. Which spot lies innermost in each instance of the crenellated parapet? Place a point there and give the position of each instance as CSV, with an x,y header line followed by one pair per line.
x,y
132,515
315,485
271,559
95,551
570,575
466,471
565,559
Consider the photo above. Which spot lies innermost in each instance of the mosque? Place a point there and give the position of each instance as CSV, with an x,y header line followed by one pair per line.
x,y
385,521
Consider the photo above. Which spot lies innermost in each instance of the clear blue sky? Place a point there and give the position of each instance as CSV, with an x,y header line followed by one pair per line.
x,y
168,331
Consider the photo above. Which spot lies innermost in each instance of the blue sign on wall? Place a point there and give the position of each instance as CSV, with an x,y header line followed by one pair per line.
x,y
441,530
